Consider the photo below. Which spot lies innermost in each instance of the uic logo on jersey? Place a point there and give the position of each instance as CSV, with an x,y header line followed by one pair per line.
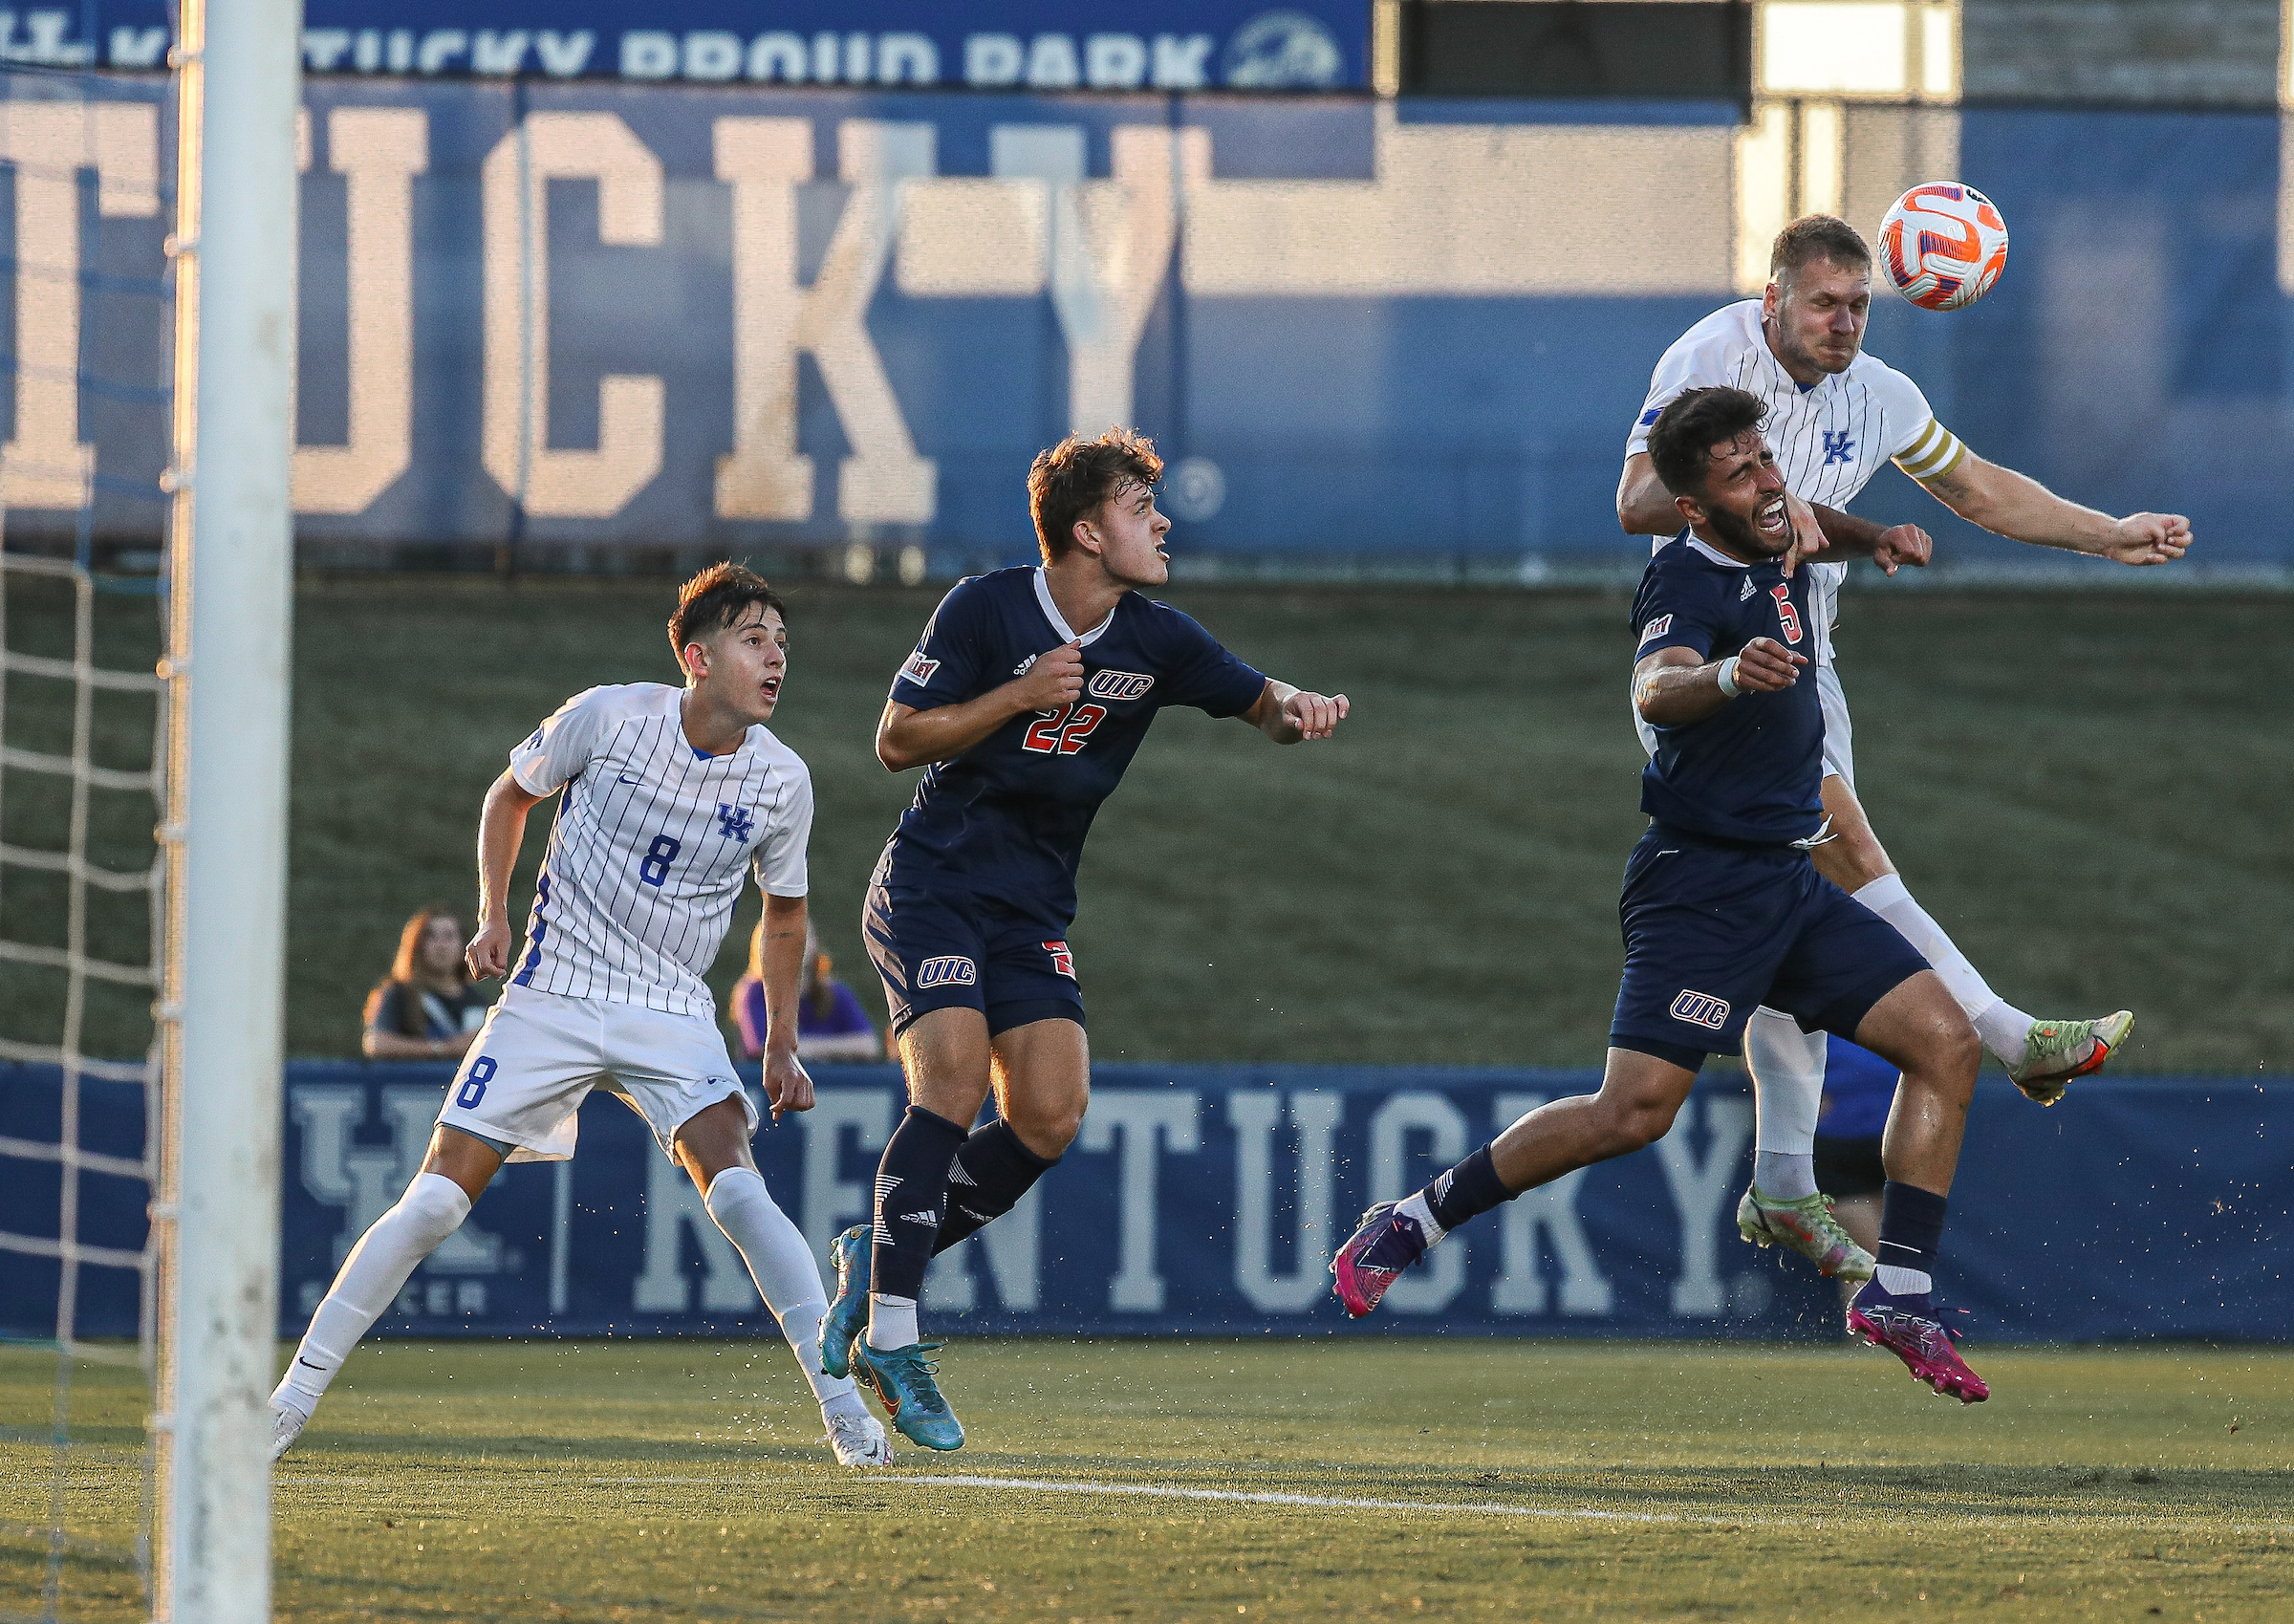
x,y
919,670
949,970
1063,962
1701,1009
735,823
1837,447
1117,684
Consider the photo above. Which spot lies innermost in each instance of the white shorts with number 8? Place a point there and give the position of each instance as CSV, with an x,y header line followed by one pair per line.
x,y
540,1053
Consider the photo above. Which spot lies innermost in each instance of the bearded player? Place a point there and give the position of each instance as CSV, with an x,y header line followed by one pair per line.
x,y
668,795
1835,415
1027,699
1723,909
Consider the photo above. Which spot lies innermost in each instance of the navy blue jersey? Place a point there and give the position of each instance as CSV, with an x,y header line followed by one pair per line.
x,y
1750,771
1008,817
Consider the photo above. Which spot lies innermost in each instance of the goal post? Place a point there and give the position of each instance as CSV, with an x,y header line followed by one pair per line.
x,y
230,561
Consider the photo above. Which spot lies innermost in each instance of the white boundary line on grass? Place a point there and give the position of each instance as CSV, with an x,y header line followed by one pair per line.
x,y
1322,1502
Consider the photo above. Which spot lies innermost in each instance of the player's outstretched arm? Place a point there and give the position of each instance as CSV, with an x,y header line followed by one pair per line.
x,y
2020,509
1676,686
786,1085
907,737
501,832
1289,716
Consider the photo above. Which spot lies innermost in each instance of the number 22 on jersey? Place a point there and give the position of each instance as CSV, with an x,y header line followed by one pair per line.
x,y
1786,612
1063,730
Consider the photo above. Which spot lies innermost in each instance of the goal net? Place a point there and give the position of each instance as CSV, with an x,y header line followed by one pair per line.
x,y
82,750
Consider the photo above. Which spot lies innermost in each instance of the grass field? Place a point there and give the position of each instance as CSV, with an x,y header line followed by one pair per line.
x,y
621,1481
2081,787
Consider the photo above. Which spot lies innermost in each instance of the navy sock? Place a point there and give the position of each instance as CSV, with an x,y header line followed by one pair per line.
x,y
1467,1190
991,1172
912,1183
1911,1226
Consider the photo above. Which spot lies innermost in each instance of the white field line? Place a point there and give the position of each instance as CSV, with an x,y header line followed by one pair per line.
x,y
1320,1502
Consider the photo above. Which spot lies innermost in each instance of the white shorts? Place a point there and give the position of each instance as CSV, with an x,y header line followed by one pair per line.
x,y
1839,734
540,1053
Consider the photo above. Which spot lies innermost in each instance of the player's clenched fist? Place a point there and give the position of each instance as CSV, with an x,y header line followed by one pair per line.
x,y
1766,666
1055,679
2148,538
1316,716
489,952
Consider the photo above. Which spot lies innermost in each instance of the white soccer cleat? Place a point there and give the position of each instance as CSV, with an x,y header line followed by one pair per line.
x,y
859,1440
286,1427
2057,1052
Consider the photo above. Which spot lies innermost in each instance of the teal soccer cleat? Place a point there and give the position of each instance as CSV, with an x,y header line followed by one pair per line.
x,y
847,1316
903,1380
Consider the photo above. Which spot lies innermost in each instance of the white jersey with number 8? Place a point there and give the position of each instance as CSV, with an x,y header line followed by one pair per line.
x,y
647,852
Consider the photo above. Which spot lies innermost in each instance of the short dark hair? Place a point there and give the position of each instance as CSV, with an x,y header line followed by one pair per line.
x,y
1682,442
1814,237
714,599
1074,476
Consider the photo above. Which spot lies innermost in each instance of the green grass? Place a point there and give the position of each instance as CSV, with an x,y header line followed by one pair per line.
x,y
644,1480
2088,790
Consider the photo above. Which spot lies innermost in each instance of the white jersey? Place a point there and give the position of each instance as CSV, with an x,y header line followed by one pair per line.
x,y
1830,438
646,855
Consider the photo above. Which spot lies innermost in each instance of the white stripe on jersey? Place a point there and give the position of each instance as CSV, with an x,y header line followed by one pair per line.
x,y
646,855
1828,439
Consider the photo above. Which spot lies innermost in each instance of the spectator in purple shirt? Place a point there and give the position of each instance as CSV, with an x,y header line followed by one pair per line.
x,y
831,1025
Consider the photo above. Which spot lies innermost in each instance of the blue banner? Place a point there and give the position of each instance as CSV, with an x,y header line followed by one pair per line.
x,y
1243,45
1207,1199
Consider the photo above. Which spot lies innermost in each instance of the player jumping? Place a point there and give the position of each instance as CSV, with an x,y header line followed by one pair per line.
x,y
669,795
1723,909
1029,694
1835,415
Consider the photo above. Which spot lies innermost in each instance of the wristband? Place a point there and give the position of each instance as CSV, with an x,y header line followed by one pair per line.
x,y
1727,676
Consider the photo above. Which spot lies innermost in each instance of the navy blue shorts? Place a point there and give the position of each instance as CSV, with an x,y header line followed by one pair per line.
x,y
1712,931
936,951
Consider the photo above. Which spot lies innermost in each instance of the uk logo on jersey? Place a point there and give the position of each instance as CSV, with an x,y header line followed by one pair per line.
x,y
949,970
1837,447
1701,1009
735,823
1118,685
1063,962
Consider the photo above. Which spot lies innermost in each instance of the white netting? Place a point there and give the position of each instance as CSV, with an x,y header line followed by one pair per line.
x,y
81,750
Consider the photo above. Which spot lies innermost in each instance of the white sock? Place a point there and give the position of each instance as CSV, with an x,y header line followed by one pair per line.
x,y
890,1321
1787,1084
2000,1024
1903,1282
1413,1206
845,1403
432,1208
781,1264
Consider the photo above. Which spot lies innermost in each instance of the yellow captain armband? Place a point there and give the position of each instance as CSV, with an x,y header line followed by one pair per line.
x,y
1934,452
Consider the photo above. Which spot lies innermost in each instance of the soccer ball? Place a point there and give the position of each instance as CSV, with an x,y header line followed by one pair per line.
x,y
1943,244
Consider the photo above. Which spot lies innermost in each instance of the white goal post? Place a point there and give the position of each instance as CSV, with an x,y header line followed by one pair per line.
x,y
230,560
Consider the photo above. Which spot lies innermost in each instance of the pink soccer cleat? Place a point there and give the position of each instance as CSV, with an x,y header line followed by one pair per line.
x,y
1906,1328
1386,1243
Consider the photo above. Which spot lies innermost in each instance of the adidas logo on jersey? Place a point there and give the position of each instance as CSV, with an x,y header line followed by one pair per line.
x,y
1701,1009
1744,591
1118,685
949,970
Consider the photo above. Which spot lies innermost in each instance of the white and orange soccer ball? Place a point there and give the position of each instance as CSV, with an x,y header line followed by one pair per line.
x,y
1943,244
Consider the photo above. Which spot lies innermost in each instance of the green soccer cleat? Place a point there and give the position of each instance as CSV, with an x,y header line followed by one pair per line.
x,y
1807,1226
2055,1051
848,1314
902,1378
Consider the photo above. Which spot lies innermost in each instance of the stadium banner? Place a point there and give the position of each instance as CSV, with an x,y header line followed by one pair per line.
x,y
1243,45
1207,1200
600,315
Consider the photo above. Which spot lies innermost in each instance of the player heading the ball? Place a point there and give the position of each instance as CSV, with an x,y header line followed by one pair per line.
x,y
1722,910
1024,702
668,797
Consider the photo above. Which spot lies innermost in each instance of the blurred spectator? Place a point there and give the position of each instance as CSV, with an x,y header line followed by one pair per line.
x,y
427,1010
1859,1087
829,1023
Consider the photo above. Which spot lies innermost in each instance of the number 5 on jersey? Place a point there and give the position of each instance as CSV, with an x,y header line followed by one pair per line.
x,y
1063,730
1786,612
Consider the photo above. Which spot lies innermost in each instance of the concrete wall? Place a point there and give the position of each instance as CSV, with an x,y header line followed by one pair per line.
x,y
2167,53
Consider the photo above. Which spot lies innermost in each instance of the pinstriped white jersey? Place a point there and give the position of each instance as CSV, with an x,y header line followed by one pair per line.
x,y
651,840
1830,439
